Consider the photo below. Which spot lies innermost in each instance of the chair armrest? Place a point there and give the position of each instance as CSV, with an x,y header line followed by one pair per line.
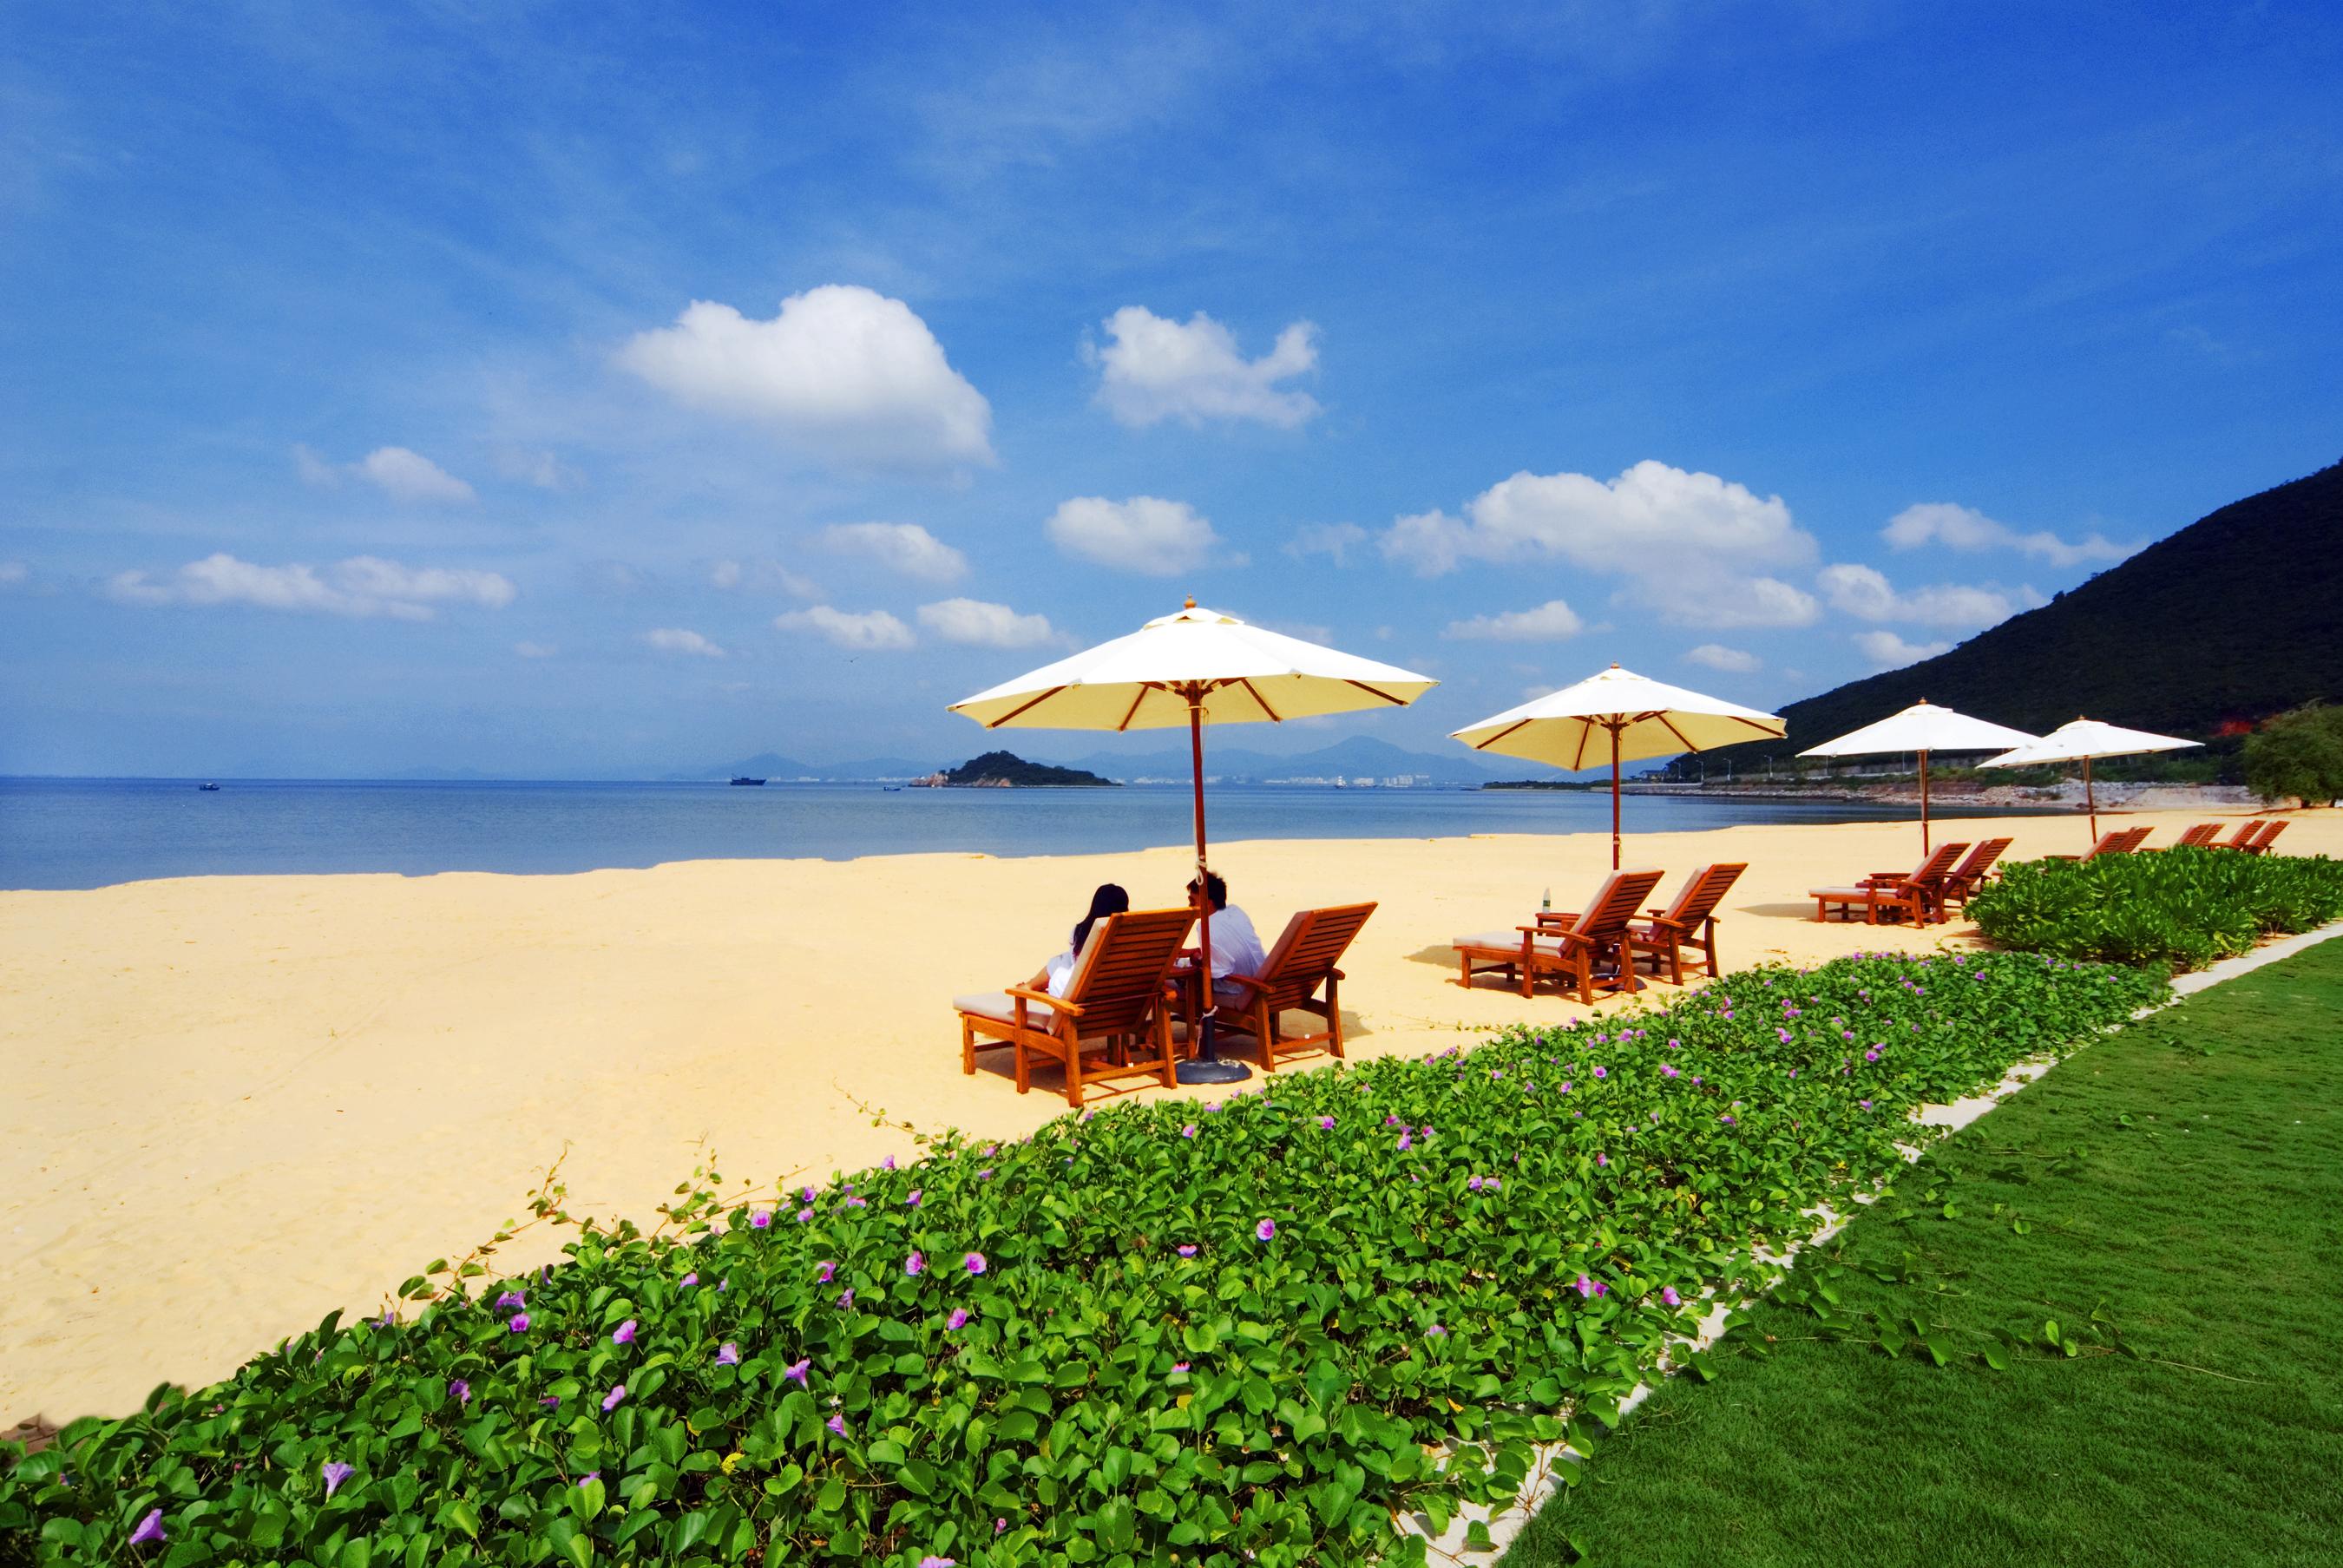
x,y
1073,1009
1248,981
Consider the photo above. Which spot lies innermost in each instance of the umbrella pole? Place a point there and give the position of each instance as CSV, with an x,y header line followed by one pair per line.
x,y
1206,1067
2090,800
1614,797
1923,800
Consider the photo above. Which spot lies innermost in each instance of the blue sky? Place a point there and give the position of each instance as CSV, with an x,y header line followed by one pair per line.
x,y
607,391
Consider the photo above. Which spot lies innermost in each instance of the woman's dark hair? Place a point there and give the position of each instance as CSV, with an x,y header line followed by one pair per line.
x,y
1109,899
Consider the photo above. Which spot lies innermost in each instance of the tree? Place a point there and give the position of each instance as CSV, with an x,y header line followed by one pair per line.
x,y
2298,755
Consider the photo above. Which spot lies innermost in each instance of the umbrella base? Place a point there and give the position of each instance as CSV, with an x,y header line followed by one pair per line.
x,y
1209,1070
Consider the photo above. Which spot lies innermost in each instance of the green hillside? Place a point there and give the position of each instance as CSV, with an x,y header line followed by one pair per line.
x,y
2236,616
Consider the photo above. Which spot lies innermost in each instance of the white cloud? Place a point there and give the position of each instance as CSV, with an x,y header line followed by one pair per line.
x,y
13,572
842,370
405,475
532,467
1691,546
1888,651
762,575
977,624
1865,593
904,547
1716,656
869,630
1335,541
1550,622
360,587
1966,528
1156,369
1142,533
681,640
535,650
314,470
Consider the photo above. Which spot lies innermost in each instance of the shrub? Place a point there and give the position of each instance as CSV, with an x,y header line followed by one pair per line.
x,y
1255,1331
2297,755
2181,907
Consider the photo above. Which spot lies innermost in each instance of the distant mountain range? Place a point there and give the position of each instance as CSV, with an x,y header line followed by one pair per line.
x,y
1360,757
2235,618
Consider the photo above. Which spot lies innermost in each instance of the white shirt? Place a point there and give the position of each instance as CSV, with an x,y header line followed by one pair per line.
x,y
1236,946
1060,970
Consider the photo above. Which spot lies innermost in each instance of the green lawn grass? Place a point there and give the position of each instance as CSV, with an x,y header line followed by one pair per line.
x,y
2186,1177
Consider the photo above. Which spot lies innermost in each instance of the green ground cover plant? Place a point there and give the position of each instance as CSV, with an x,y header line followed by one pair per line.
x,y
2146,1241
1257,1332
2180,908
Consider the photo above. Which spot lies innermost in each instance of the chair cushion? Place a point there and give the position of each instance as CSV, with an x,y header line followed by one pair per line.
x,y
999,1006
1852,895
1511,941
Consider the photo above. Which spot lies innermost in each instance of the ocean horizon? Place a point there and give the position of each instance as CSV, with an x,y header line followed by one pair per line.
x,y
63,833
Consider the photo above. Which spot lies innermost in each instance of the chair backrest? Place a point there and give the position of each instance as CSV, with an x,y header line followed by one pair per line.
x,y
1939,865
1981,860
2243,836
2109,844
1702,892
2271,829
2133,837
2198,837
1313,943
1616,903
1121,974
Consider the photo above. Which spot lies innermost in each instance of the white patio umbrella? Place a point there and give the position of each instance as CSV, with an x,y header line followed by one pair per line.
x,y
1922,727
2083,742
1621,714
1198,666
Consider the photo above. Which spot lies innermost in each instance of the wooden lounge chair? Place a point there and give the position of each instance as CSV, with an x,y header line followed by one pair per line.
x,y
2200,837
1303,959
2246,835
1113,1007
1918,893
1567,945
2271,828
2122,841
1689,922
1963,880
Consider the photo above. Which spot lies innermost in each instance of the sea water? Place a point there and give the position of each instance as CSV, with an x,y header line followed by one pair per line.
x,y
93,832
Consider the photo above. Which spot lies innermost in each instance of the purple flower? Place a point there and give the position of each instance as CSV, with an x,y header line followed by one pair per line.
x,y
690,1280
1436,1331
149,1529
805,1215
517,1323
1600,1072
1602,1160
1669,1295
1178,1366
589,1475
837,1423
1728,1119
913,1200
1871,1055
624,1334
1406,1142
459,1391
723,1284
610,1401
1189,1131
1266,1230
1864,1103
1668,1070
1188,1251
511,1298
1326,1123
846,1299
1474,1184
974,1263
727,1354
796,1373
828,1271
1000,1526
957,1322
551,1402
985,1174
917,1263
932,1561
336,1474
1586,1288
761,1218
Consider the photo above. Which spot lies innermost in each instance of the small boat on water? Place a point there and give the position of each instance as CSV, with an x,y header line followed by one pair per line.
x,y
744,778
211,787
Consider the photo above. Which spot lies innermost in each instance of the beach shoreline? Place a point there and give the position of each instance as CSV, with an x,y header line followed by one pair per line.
x,y
239,1103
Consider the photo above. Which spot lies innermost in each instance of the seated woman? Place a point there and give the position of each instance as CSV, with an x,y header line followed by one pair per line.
x,y
1059,973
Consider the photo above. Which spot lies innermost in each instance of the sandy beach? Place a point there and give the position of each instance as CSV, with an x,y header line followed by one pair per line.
x,y
235,1104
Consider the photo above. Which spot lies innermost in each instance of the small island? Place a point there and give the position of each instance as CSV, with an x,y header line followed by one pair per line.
x,y
1003,770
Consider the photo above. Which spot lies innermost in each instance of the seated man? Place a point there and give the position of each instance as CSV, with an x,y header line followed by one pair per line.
x,y
1236,946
